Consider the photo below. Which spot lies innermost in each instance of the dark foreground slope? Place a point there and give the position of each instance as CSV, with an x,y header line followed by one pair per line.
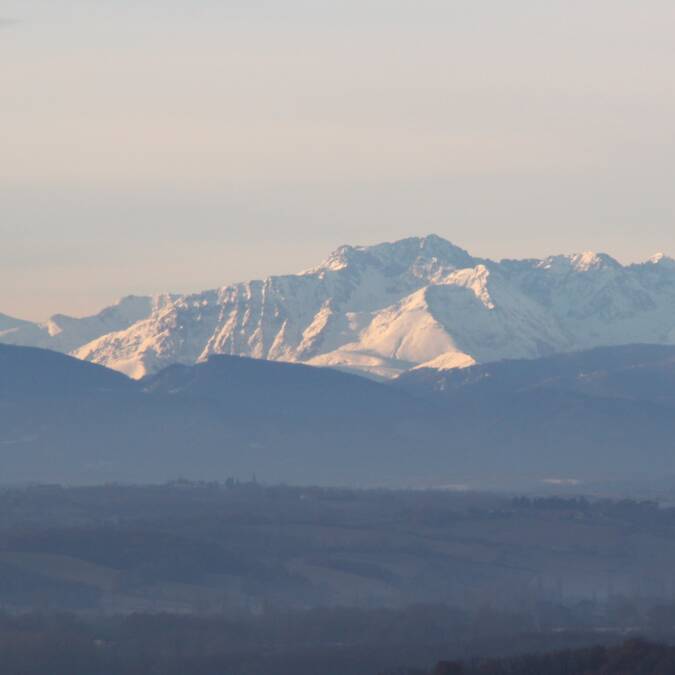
x,y
597,415
65,420
637,657
603,413
302,644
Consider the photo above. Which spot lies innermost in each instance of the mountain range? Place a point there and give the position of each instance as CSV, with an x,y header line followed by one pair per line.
x,y
382,310
68,421
65,333
606,414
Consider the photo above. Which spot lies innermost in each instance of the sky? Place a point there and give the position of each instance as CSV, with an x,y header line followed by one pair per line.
x,y
154,146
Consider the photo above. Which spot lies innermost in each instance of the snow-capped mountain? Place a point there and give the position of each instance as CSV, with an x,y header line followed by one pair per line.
x,y
66,333
384,309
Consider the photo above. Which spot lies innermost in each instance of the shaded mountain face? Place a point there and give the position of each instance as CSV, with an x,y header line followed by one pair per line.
x,y
631,372
65,420
605,414
381,310
600,413
36,374
253,388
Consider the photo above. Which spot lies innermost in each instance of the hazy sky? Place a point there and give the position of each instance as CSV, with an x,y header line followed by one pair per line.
x,y
150,146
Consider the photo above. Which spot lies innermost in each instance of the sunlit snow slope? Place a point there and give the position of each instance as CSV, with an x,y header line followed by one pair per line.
x,y
384,309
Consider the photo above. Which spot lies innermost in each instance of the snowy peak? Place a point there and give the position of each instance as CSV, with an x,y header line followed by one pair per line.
x,y
395,257
411,251
588,261
661,259
383,309
380,310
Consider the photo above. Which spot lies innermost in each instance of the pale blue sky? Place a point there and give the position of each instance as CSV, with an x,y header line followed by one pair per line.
x,y
155,145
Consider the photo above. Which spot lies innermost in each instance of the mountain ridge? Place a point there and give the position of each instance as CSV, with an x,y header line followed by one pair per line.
x,y
599,415
422,301
69,421
64,333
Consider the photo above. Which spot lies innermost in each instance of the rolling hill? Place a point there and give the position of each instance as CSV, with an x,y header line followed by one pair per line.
x,y
603,414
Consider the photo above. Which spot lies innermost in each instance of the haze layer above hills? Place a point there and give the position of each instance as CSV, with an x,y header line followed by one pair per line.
x,y
382,310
